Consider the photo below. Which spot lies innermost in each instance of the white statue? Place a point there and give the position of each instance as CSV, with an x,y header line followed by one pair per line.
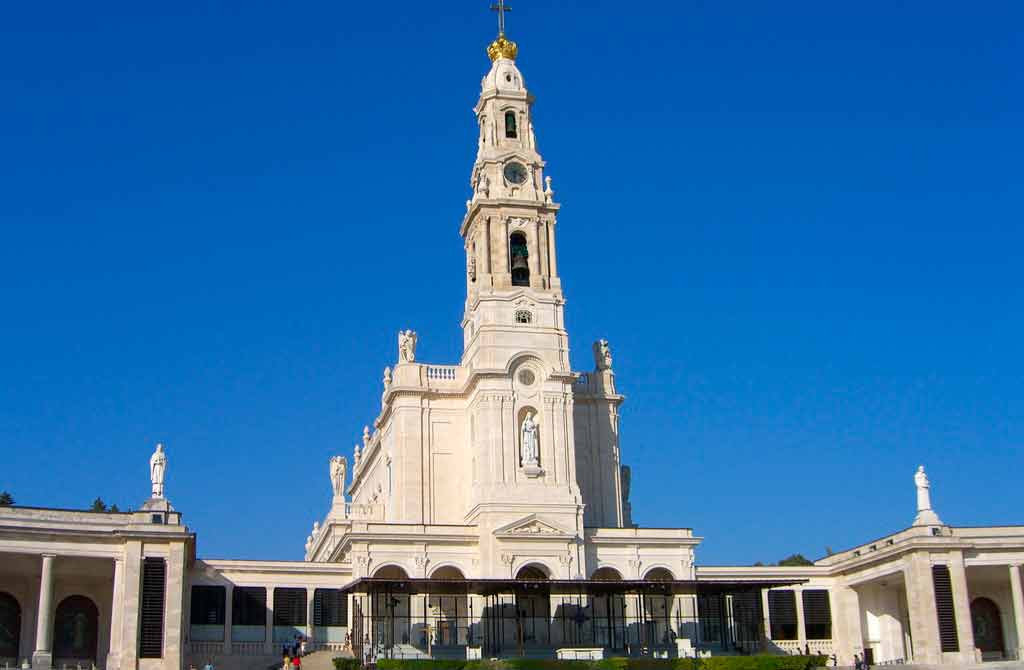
x,y
355,459
549,193
309,543
530,447
926,516
602,355
366,437
157,466
406,346
338,470
387,378
924,500
483,186
316,529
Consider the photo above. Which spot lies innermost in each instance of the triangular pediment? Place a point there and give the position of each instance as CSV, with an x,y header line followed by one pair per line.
x,y
532,526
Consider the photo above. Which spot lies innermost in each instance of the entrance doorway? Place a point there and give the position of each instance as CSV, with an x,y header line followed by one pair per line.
x,y
75,629
10,627
988,627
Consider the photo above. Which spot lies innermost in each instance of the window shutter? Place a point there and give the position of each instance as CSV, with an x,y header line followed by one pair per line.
x,y
948,637
782,614
817,615
289,607
151,625
330,608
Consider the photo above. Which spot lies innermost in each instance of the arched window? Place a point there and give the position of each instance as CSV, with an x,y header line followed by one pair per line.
x,y
510,125
606,575
75,629
519,260
10,626
523,316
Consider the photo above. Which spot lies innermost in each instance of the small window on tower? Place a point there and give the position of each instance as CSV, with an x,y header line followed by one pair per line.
x,y
523,316
510,125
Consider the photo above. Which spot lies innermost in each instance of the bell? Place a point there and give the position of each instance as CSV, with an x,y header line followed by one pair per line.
x,y
520,263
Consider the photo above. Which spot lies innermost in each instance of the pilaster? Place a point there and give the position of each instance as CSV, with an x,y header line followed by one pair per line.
x,y
962,606
849,639
174,607
924,622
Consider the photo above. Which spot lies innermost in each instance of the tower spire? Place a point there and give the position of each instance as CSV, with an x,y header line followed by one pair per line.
x,y
501,8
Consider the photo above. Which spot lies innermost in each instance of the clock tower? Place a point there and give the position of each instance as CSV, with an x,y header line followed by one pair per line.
x,y
514,297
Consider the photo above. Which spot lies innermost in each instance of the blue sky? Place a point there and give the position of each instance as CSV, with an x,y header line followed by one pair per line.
x,y
799,225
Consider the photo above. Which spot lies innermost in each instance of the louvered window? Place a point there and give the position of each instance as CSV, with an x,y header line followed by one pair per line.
x,y
710,609
817,615
207,606
249,606
944,608
746,615
289,607
782,614
330,608
151,619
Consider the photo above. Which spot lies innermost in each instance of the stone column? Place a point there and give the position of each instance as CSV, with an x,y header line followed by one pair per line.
x,y
116,616
767,621
268,636
310,595
229,600
962,606
801,627
1017,594
42,658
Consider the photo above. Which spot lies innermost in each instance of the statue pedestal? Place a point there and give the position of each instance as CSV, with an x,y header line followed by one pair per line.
x,y
927,517
532,470
337,509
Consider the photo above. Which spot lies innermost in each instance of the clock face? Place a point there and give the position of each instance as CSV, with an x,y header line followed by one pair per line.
x,y
515,173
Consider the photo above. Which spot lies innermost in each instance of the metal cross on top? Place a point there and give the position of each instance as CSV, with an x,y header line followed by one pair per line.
x,y
501,8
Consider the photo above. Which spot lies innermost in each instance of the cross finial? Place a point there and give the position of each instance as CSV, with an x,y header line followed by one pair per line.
x,y
501,8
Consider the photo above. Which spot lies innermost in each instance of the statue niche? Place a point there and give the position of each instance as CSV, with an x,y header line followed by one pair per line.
x,y
529,443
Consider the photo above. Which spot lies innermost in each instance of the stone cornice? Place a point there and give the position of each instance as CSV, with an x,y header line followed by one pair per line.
x,y
497,203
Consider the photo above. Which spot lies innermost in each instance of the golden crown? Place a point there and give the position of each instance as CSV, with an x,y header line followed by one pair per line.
x,y
502,48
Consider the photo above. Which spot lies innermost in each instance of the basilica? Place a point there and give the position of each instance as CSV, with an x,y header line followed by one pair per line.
x,y
486,513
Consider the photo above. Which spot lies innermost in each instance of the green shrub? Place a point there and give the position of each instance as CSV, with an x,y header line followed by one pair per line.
x,y
347,664
759,662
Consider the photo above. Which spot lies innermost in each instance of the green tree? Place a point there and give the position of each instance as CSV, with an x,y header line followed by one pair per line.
x,y
98,505
6,499
795,559
114,509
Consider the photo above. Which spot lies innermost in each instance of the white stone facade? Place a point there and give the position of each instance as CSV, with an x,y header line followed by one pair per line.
x,y
504,465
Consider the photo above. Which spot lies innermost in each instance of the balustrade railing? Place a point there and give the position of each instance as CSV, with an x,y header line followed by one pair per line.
x,y
248,649
443,373
206,648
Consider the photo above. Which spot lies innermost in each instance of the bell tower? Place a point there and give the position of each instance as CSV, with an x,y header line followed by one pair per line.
x,y
513,293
